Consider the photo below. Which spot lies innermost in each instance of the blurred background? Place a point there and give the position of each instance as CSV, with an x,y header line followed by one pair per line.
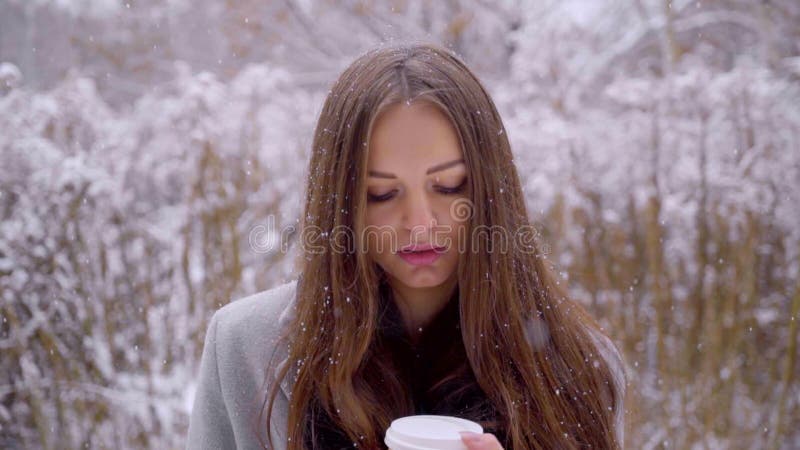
x,y
142,142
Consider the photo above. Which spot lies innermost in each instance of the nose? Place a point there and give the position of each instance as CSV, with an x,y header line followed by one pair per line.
x,y
419,217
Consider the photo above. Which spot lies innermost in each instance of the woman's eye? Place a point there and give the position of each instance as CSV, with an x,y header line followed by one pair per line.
x,y
453,190
380,198
441,189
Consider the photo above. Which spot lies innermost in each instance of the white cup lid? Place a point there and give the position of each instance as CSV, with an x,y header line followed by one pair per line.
x,y
428,432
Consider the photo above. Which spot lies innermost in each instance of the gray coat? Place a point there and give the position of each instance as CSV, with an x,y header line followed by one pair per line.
x,y
240,340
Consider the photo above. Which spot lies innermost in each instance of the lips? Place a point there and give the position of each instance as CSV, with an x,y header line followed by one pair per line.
x,y
419,248
421,255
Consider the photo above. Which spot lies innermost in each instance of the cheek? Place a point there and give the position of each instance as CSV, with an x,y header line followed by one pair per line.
x,y
379,233
458,238
378,215
450,212
369,217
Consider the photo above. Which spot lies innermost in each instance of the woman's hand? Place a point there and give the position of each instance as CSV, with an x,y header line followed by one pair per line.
x,y
476,441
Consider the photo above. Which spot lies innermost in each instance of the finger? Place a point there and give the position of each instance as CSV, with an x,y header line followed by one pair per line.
x,y
476,441
491,439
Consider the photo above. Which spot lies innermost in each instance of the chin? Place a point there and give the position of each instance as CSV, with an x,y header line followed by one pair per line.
x,y
423,277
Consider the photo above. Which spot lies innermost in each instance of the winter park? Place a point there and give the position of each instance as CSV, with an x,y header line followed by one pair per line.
x,y
165,159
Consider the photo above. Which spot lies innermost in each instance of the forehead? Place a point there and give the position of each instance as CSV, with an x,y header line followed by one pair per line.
x,y
416,134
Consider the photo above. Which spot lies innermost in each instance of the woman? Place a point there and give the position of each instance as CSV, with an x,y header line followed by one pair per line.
x,y
422,290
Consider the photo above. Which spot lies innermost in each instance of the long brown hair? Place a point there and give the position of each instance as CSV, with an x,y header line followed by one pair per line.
x,y
527,347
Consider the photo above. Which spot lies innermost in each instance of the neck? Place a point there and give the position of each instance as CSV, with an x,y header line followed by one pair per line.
x,y
418,306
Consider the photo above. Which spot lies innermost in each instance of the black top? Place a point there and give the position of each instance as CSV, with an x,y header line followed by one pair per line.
x,y
421,366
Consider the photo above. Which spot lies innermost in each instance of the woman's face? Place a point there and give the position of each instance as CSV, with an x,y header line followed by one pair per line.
x,y
415,174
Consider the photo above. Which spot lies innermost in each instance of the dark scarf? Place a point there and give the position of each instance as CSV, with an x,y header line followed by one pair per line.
x,y
439,349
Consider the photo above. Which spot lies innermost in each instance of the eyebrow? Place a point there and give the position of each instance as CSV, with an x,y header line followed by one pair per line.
x,y
436,168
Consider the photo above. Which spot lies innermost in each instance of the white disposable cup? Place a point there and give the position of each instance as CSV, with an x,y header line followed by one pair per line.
x,y
428,432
